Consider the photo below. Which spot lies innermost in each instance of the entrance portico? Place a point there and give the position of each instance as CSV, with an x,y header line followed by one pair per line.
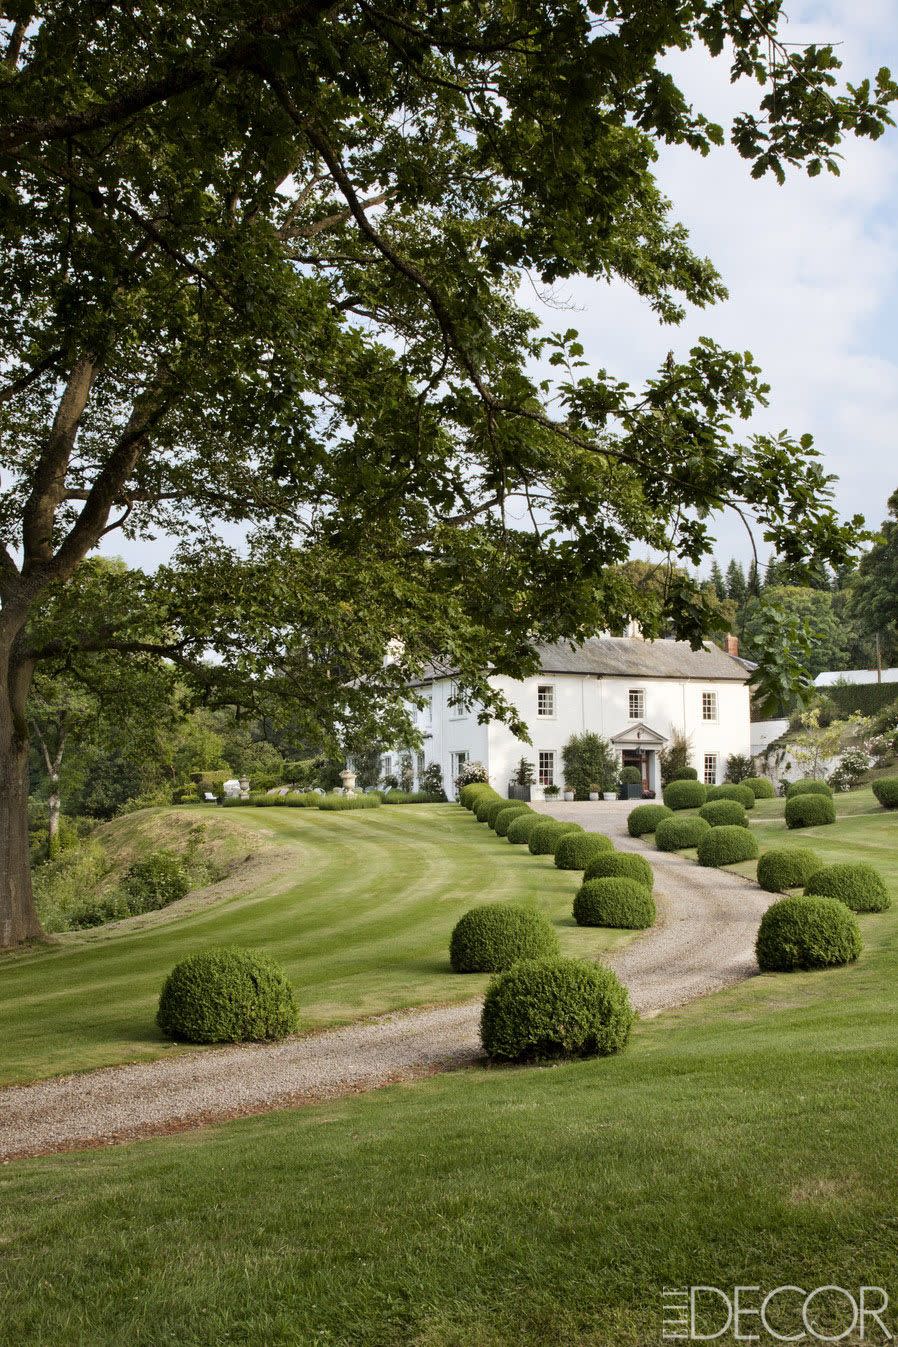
x,y
639,746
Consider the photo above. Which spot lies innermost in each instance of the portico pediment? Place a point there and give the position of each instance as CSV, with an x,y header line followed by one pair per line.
x,y
639,736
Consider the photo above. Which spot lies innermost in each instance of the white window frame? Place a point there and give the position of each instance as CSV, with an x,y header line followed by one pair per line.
x,y
458,759
709,768
711,695
541,689
386,764
545,773
427,711
458,710
640,693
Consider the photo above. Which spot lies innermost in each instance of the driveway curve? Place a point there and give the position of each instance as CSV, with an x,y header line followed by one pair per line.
x,y
703,941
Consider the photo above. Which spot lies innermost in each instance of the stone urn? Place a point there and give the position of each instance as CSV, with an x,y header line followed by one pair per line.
x,y
244,787
348,779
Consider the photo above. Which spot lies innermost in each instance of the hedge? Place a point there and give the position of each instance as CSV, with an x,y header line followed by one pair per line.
x,y
676,834
412,797
886,791
867,698
621,865
545,837
227,996
490,811
727,846
807,933
349,802
484,803
783,868
807,786
761,787
491,938
645,818
576,850
519,829
743,794
614,901
549,1008
685,794
469,794
855,884
724,813
504,817
809,811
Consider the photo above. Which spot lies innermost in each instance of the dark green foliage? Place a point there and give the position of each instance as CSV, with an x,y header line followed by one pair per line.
x,y
485,803
724,813
490,810
412,797
673,760
856,884
614,900
550,1008
491,938
589,762
783,868
804,933
155,881
886,791
761,786
684,774
227,996
620,865
677,834
685,794
727,846
504,817
519,829
743,794
631,776
807,786
340,802
809,811
576,850
738,769
543,840
645,818
469,795
864,698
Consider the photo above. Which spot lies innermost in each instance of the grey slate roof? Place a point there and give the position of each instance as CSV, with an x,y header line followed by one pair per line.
x,y
630,657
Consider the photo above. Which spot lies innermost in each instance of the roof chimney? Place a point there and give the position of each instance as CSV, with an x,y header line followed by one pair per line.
x,y
731,645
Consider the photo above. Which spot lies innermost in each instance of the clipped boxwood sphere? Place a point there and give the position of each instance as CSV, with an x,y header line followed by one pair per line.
x,y
807,786
576,850
724,813
227,996
621,865
519,829
807,933
484,803
809,811
727,846
685,794
614,901
492,809
645,818
886,791
783,868
761,787
676,834
684,774
549,1008
855,884
743,794
545,838
468,795
504,817
491,938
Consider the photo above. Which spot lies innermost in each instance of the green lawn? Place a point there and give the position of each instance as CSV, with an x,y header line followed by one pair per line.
x,y
748,1138
361,925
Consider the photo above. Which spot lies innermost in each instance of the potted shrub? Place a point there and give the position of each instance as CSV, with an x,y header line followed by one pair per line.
x,y
521,786
551,792
595,790
630,784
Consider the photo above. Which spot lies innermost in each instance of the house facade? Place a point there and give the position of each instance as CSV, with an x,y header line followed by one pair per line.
x,y
635,693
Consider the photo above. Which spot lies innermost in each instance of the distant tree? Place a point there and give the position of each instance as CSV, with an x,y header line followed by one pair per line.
x,y
737,586
829,639
874,597
717,580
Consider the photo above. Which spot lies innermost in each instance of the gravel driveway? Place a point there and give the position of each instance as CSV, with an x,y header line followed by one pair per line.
x,y
704,940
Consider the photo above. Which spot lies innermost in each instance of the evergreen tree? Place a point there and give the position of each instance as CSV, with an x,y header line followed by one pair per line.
x,y
717,580
737,586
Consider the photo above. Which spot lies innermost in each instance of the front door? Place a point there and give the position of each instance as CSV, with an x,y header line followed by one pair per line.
x,y
638,757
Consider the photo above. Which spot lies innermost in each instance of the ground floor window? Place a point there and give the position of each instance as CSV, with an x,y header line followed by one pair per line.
x,y
710,769
458,762
547,767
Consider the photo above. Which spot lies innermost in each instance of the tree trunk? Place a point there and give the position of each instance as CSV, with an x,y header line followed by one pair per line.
x,y
18,916
53,800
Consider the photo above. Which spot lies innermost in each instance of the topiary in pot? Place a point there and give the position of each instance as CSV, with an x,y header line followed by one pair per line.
x,y
645,818
783,868
855,884
727,846
615,901
576,850
807,933
807,786
743,794
491,938
505,816
621,865
809,811
677,834
545,838
519,829
685,794
227,996
549,1008
724,813
761,787
886,791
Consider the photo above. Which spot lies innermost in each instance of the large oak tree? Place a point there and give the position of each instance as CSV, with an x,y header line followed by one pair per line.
x,y
261,268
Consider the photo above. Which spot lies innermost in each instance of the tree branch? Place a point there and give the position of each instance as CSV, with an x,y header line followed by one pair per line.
x,y
48,484
26,380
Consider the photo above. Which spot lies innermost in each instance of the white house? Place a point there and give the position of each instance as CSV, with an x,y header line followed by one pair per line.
x,y
634,692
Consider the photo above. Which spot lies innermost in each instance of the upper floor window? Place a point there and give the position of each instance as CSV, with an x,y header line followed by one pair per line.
x,y
709,706
427,710
545,700
459,706
637,704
